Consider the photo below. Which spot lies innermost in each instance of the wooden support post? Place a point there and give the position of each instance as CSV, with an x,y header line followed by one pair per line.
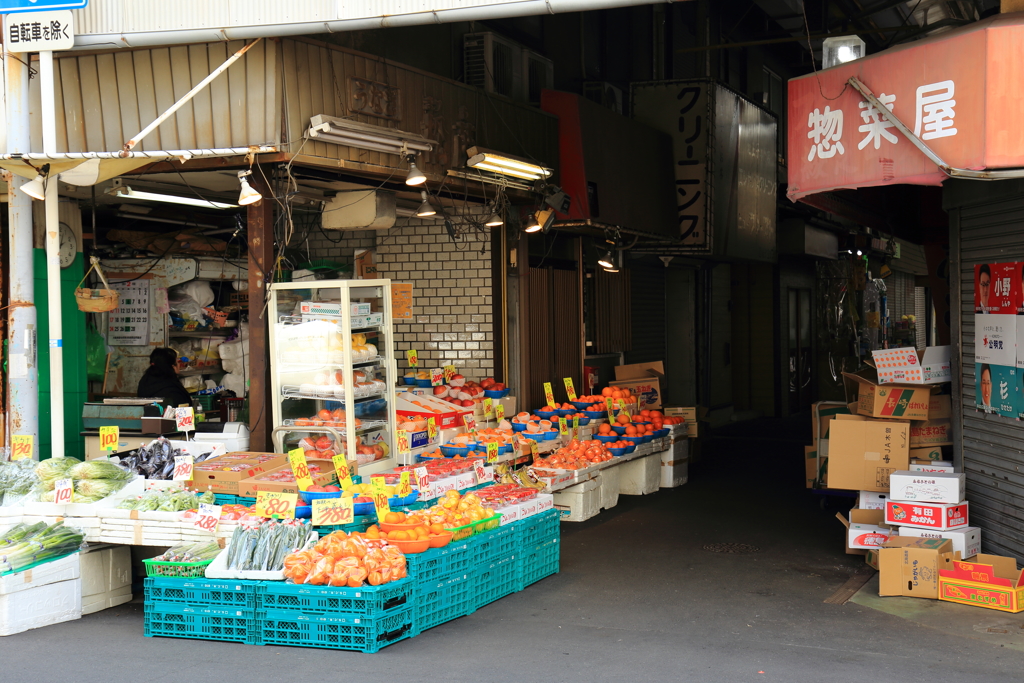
x,y
260,229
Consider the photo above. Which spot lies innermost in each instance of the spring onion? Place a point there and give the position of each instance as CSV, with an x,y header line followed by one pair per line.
x,y
24,545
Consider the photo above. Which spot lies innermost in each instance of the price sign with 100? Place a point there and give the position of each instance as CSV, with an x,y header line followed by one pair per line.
x,y
492,451
108,438
575,426
333,511
611,410
21,446
533,448
482,475
380,496
208,518
276,504
300,468
470,421
414,359
182,468
421,477
344,474
549,395
63,491
570,390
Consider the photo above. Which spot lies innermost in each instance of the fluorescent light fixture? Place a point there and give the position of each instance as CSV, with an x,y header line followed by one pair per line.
x,y
415,176
35,188
426,208
841,50
607,261
128,193
247,195
489,178
506,164
366,136
494,221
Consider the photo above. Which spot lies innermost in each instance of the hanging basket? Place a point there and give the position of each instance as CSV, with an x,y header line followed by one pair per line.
x,y
96,300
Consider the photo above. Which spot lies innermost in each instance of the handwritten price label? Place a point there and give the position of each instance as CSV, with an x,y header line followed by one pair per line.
x,y
184,419
402,441
483,475
21,446
431,428
182,468
533,448
549,396
575,426
421,477
570,390
333,511
300,468
208,518
404,487
492,452
108,438
499,411
276,504
436,377
470,421
563,427
343,472
449,372
63,491
611,410
488,408
414,359
380,496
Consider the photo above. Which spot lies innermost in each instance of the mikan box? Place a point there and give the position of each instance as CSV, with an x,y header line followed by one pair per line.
x,y
262,482
939,516
220,476
889,401
990,581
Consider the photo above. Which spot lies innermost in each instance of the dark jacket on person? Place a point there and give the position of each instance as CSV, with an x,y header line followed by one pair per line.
x,y
154,385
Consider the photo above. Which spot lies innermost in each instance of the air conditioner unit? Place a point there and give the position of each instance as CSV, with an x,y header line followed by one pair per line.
x,y
605,94
539,73
494,64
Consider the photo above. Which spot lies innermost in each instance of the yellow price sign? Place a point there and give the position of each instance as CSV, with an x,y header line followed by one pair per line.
x,y
436,377
570,390
575,426
333,511
492,451
22,446
342,470
470,421
549,396
414,358
563,427
431,428
379,493
297,459
488,408
276,504
108,438
611,410
449,372
404,487
401,441
499,411
533,448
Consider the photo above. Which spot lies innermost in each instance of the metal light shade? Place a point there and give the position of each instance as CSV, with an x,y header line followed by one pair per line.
x,y
494,221
247,195
533,225
607,261
36,189
426,208
415,176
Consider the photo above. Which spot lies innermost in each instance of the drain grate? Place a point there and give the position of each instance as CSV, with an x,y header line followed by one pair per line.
x,y
732,548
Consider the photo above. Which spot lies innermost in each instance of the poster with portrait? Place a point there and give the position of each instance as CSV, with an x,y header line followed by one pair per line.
x,y
998,390
997,288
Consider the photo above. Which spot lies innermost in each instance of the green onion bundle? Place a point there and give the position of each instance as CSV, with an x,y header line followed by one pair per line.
x,y
28,544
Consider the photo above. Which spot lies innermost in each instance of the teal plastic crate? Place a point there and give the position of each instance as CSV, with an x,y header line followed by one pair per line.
x,y
366,601
224,499
242,500
541,562
488,547
172,620
537,529
495,581
439,564
334,631
205,592
440,602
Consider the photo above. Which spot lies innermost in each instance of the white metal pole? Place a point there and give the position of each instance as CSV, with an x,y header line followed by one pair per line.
x,y
22,360
53,297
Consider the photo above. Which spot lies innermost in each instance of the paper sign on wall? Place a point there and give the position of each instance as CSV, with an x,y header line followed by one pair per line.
x,y
21,446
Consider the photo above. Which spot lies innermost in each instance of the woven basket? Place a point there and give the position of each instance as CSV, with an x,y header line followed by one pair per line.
x,y
96,300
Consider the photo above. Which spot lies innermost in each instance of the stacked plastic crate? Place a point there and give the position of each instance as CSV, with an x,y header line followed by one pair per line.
x,y
442,584
539,548
494,571
204,609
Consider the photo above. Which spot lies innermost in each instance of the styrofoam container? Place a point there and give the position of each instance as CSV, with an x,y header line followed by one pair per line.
x,y
52,603
102,601
218,569
675,465
582,501
105,569
610,477
65,569
641,476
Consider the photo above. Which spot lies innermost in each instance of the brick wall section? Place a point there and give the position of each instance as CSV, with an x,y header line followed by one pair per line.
x,y
452,290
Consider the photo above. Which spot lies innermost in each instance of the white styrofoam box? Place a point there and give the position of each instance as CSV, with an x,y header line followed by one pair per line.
x,y
675,464
106,569
641,476
41,606
545,502
966,541
610,487
927,487
933,466
65,569
102,601
867,536
583,501
872,500
509,514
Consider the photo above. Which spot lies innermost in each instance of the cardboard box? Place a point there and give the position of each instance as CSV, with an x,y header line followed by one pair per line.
x,y
816,469
644,380
872,500
695,419
210,474
910,366
966,541
863,453
930,466
933,453
930,433
871,558
822,414
890,401
864,529
929,487
940,516
910,566
263,482
989,581
940,407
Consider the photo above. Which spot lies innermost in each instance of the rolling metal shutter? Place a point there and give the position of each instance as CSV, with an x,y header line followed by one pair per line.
x,y
647,311
990,448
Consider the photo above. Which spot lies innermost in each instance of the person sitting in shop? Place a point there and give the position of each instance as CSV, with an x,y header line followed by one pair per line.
x,y
161,379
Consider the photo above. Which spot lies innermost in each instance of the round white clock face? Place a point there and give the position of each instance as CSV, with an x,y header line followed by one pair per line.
x,y
68,246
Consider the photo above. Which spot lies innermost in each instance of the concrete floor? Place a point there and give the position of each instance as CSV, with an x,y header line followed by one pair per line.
x,y
637,599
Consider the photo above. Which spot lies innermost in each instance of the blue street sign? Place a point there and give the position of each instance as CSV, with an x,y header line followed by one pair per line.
x,y
11,6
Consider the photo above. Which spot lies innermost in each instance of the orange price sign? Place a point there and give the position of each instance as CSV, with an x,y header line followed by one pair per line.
x,y
380,496
611,410
549,396
404,487
63,491
414,359
488,408
563,427
300,468
436,377
431,428
21,446
570,390
276,504
182,468
333,511
492,451
343,472
208,518
499,411
401,441
449,372
108,438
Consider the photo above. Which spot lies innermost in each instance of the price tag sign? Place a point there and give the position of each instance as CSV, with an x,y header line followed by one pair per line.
x,y
276,504
470,421
449,372
108,438
549,396
208,518
63,491
414,359
611,410
436,377
483,474
182,468
402,441
488,408
575,426
570,390
404,487
431,428
300,468
421,476
184,419
21,446
492,451
343,472
499,411
380,496
333,511
563,427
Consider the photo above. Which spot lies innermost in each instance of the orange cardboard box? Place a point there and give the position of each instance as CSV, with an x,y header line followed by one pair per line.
x,y
271,479
222,474
989,581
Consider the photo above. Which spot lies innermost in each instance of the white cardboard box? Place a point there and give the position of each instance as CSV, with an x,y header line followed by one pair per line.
x,y
41,606
872,500
935,466
582,501
910,366
867,536
106,569
102,601
966,541
927,487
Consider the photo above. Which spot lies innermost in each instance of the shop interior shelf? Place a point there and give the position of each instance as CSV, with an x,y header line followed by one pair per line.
x,y
205,370
286,367
297,320
196,334
335,631
366,601
367,426
292,391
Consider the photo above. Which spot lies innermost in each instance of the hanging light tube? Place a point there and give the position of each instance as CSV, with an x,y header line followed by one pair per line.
x,y
506,164
366,136
128,193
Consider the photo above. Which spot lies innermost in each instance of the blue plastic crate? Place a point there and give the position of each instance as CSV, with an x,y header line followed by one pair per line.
x,y
335,631
495,581
242,500
174,620
366,601
534,565
441,602
537,529
224,499
207,592
438,564
488,547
